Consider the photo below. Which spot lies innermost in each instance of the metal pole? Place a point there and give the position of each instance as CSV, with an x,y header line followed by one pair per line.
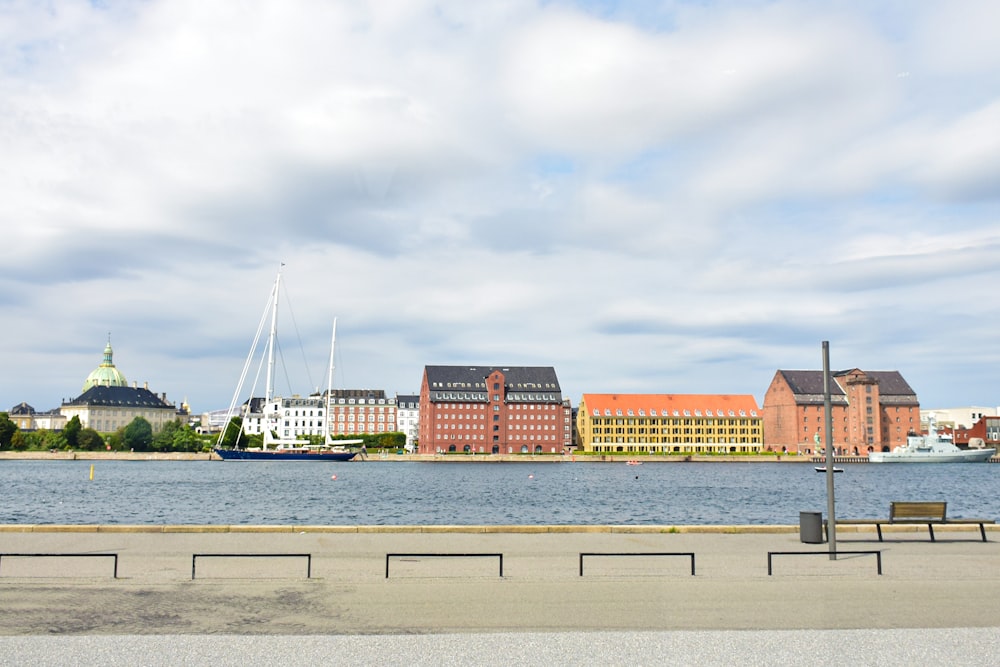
x,y
831,525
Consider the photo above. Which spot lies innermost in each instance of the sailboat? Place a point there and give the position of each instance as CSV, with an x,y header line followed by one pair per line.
x,y
284,449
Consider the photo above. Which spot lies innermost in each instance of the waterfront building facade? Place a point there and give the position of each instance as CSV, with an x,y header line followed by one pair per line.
x,y
872,410
49,420
351,412
23,416
984,433
956,418
108,403
669,424
408,418
493,410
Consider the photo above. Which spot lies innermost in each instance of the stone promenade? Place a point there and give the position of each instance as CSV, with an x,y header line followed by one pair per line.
x,y
253,583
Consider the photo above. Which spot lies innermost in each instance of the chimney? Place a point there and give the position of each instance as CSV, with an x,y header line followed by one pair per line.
x,y
145,385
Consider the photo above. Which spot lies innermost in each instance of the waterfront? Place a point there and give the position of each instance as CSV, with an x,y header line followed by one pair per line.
x,y
407,493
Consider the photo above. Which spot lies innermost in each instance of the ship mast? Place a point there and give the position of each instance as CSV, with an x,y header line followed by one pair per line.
x,y
329,388
270,343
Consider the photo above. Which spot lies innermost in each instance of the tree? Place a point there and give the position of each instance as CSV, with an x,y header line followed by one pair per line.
x,y
39,440
138,435
233,436
72,431
177,437
164,440
7,430
18,441
90,440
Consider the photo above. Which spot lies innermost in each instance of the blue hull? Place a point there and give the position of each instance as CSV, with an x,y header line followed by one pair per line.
x,y
274,455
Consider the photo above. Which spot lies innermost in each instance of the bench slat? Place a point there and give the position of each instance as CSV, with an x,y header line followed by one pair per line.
x,y
918,510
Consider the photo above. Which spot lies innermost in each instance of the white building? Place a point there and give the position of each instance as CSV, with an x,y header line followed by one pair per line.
x,y
408,418
351,412
961,418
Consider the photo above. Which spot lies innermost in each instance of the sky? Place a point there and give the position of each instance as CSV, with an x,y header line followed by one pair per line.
x,y
650,197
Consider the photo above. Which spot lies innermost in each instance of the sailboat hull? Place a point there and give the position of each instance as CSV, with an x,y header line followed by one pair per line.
x,y
278,455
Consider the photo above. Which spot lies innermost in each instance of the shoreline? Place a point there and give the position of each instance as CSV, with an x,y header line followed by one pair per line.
x,y
856,531
420,458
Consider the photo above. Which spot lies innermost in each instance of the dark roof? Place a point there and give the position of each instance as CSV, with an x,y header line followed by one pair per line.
x,y
891,383
130,397
538,378
809,382
807,385
22,408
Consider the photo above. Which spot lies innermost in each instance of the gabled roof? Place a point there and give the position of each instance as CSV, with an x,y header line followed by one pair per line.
x,y
22,408
684,405
808,385
809,382
472,378
125,397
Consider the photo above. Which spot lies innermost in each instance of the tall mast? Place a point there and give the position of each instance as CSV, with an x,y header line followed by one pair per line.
x,y
273,335
329,387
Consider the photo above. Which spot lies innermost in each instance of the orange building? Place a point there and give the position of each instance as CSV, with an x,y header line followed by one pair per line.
x,y
872,410
493,410
669,423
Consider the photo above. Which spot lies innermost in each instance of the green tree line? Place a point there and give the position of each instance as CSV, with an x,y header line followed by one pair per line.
x,y
137,436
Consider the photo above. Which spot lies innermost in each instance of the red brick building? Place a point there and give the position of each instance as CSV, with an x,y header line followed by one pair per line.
x,y
872,410
493,410
986,429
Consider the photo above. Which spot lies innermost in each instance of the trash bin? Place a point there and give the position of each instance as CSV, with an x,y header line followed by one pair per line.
x,y
811,527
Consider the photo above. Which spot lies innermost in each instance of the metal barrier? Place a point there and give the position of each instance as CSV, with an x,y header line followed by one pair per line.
x,y
639,553
308,557
56,555
878,556
440,555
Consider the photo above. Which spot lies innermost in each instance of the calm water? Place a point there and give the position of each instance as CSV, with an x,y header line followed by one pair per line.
x,y
204,492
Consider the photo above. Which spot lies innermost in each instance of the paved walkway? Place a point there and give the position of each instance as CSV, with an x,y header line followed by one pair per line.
x,y
933,600
970,647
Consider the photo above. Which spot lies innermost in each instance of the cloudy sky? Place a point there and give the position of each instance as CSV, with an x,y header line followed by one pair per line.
x,y
669,197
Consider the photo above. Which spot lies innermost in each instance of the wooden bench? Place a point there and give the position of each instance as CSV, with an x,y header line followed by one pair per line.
x,y
930,513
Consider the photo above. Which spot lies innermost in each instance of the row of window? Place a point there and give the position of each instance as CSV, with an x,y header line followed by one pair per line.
x,y
473,416
673,422
673,413
732,447
482,427
341,428
472,436
674,431
514,406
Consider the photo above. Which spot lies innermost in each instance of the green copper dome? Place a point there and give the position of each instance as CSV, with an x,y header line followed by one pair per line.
x,y
106,375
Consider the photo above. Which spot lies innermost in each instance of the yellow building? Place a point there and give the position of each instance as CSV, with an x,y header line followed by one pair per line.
x,y
670,423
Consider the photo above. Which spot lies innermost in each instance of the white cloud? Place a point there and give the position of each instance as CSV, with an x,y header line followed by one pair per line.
x,y
676,198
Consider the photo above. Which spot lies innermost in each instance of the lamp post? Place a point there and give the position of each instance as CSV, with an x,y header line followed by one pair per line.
x,y
831,526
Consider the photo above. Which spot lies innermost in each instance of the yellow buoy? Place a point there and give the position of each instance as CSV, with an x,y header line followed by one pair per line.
x,y
91,472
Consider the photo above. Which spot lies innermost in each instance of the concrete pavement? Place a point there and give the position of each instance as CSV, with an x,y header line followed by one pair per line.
x,y
949,589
